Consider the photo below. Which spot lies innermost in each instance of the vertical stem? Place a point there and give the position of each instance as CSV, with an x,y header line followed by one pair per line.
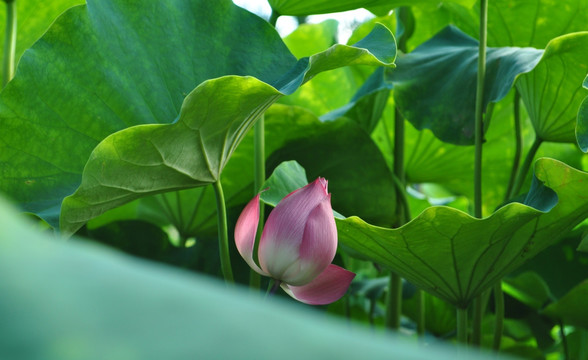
x,y
223,236
518,144
479,136
259,178
522,174
273,18
479,126
9,42
499,315
394,302
462,326
564,340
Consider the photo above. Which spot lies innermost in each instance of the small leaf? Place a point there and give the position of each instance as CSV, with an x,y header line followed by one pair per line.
x,y
435,85
572,307
287,177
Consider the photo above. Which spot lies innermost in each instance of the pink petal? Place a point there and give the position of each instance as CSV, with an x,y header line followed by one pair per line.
x,y
284,230
318,247
328,287
245,232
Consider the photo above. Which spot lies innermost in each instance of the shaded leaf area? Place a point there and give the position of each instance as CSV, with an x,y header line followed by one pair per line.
x,y
96,301
455,256
309,7
582,122
76,85
435,85
33,19
528,288
553,91
439,314
428,160
560,266
359,178
325,152
571,308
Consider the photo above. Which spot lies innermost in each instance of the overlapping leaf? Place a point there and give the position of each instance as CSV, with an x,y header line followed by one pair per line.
x,y
142,78
455,256
435,85
553,91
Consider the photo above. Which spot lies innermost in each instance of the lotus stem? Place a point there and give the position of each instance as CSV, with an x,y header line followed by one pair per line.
x,y
9,42
394,302
421,322
259,179
479,138
518,144
462,326
223,236
498,315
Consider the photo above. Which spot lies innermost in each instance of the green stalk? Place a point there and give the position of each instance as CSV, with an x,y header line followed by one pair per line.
x,y
394,302
499,315
462,326
9,42
223,236
259,179
522,174
273,18
479,137
518,144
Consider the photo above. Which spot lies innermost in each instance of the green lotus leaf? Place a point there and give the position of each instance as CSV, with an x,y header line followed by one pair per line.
x,y
553,91
309,7
88,91
571,308
528,288
455,256
150,159
582,122
435,85
80,300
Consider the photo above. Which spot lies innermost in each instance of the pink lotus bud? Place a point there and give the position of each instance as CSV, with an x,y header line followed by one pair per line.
x,y
298,244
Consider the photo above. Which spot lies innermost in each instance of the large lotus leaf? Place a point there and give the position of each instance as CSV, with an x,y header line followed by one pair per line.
x,y
571,308
435,85
582,122
89,92
456,256
33,19
77,85
553,91
149,159
77,300
309,7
